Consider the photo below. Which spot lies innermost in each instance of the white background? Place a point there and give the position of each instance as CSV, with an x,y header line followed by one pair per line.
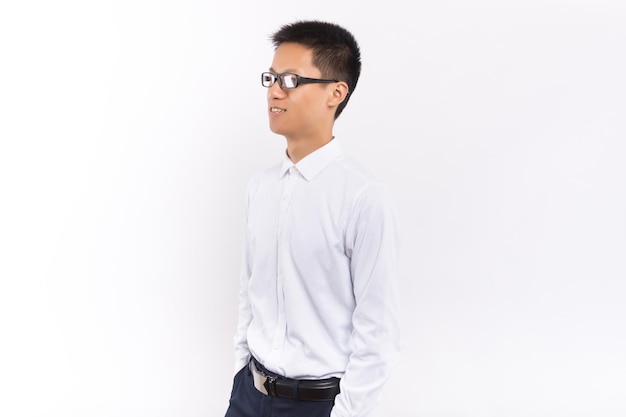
x,y
129,129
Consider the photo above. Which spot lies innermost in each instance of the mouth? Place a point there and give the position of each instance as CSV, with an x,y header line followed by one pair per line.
x,y
277,110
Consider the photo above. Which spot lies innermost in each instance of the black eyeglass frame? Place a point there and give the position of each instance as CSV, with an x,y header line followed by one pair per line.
x,y
299,80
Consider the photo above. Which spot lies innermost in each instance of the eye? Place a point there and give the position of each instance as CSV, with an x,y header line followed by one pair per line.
x,y
267,79
290,80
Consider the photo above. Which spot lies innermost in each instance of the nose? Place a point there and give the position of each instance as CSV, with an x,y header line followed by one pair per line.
x,y
275,91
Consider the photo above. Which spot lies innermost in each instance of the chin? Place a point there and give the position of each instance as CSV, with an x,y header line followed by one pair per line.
x,y
277,129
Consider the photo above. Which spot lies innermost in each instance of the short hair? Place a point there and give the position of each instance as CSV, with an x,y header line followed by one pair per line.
x,y
335,51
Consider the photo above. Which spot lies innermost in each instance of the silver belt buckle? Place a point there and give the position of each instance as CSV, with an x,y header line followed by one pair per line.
x,y
263,383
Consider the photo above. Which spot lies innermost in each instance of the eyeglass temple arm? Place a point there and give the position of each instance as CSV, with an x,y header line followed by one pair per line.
x,y
305,80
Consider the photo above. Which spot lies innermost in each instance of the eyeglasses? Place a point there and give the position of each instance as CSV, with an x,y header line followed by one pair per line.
x,y
288,80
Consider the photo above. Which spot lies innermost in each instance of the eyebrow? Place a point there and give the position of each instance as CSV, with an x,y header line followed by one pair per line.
x,y
289,70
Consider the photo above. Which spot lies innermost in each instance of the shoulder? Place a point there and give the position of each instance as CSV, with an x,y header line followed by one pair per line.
x,y
363,181
354,170
263,176
367,191
348,176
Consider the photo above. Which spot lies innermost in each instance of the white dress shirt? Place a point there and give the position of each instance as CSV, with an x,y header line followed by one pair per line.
x,y
319,277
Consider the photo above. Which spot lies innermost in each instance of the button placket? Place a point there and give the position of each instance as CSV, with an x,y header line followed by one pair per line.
x,y
282,246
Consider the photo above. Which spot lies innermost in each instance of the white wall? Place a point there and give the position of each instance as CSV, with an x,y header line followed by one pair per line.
x,y
129,129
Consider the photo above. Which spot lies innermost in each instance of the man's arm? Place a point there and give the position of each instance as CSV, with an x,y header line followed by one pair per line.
x,y
242,352
372,246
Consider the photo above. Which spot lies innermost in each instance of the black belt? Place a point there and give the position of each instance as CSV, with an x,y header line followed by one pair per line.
x,y
300,389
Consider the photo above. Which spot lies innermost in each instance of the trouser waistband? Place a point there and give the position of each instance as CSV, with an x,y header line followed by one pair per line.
x,y
301,389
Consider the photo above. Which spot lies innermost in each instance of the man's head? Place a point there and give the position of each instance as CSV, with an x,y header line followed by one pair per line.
x,y
323,60
335,51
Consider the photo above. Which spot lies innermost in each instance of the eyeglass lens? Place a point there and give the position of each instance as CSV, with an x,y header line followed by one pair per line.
x,y
284,80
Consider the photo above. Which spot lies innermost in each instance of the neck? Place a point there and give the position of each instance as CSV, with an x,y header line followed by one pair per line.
x,y
297,149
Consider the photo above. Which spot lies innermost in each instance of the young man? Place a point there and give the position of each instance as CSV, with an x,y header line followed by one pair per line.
x,y
318,309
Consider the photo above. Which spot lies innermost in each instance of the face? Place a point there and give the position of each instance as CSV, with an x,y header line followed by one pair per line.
x,y
303,111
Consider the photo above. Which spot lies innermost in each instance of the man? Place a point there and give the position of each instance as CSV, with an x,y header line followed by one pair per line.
x,y
318,308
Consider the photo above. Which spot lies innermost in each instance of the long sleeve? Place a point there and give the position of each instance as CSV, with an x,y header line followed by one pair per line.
x,y
375,340
240,342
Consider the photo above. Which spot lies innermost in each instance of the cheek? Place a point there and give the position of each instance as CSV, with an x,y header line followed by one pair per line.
x,y
317,107
306,107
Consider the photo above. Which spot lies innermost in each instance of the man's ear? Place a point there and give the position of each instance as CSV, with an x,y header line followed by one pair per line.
x,y
338,94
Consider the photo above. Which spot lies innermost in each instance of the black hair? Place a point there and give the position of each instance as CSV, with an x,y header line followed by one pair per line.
x,y
335,51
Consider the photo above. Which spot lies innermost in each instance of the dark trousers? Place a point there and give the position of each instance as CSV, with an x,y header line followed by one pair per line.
x,y
247,401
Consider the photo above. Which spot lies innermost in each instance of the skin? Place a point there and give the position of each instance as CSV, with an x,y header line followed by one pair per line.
x,y
309,110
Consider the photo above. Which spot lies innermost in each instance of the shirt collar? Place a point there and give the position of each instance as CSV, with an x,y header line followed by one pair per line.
x,y
315,162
